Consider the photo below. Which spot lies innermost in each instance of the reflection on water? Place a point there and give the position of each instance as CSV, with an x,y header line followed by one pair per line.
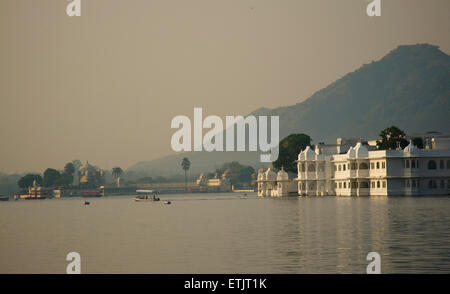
x,y
226,233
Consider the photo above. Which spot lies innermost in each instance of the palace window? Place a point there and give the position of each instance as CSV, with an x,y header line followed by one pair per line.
x,y
373,184
321,166
378,184
442,184
441,164
372,165
432,184
311,167
378,165
384,184
383,164
413,163
432,164
343,167
339,167
340,185
407,163
345,185
354,166
363,165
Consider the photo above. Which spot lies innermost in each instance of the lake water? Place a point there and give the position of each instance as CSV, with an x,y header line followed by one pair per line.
x,y
226,233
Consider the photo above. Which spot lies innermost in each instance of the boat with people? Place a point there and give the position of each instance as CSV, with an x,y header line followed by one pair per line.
x,y
145,195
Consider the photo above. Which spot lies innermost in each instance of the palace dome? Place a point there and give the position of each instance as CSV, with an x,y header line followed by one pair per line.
x,y
301,156
411,148
351,152
309,153
282,175
361,150
270,175
261,174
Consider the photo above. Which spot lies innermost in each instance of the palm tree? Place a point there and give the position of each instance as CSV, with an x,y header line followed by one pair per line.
x,y
185,165
116,173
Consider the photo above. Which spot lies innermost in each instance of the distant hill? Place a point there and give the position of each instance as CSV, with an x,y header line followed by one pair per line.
x,y
8,183
409,88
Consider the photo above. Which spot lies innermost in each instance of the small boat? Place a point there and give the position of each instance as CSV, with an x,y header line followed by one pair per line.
x,y
86,203
91,194
144,195
167,202
140,198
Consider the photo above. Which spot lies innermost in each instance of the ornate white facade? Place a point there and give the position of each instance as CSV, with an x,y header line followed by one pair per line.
x,y
362,170
271,184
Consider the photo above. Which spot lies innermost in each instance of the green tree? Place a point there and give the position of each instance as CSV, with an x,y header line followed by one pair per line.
x,y
50,177
237,173
69,168
390,138
185,165
418,142
290,147
77,164
27,180
64,180
116,174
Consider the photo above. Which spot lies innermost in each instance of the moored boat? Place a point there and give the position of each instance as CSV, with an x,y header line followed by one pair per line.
x,y
35,198
91,194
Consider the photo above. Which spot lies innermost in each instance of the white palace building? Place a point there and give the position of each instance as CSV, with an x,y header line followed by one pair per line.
x,y
357,168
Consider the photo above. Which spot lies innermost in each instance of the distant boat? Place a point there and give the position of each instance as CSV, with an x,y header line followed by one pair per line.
x,y
86,203
91,194
35,198
144,195
36,195
167,202
141,198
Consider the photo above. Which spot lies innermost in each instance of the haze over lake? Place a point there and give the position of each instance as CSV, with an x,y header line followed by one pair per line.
x,y
226,233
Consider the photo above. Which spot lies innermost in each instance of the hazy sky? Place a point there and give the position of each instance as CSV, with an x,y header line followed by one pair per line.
x,y
105,86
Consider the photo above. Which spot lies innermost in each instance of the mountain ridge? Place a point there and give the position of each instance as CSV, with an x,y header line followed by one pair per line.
x,y
408,87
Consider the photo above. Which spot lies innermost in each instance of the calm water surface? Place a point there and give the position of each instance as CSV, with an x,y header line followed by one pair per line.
x,y
226,233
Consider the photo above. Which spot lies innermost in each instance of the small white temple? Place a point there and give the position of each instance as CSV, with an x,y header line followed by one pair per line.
x,y
271,184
